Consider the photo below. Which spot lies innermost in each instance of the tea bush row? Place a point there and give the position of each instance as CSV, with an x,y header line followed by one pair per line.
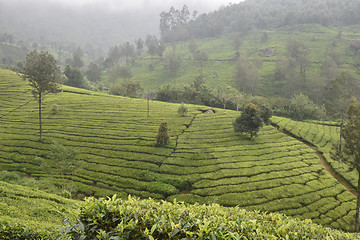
x,y
135,219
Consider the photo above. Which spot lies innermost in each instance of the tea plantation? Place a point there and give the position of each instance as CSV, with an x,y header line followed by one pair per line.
x,y
30,213
205,162
322,135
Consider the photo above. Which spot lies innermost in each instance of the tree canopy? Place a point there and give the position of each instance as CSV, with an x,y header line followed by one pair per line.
x,y
349,151
249,121
43,74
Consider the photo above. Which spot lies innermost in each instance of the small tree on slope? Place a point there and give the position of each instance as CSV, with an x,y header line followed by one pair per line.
x,y
43,74
163,136
249,121
350,151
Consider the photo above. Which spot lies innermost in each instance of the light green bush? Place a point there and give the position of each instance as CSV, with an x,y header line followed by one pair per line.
x,y
183,110
149,219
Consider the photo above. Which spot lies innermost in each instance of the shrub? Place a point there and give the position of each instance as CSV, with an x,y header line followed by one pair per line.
x,y
163,136
183,110
54,108
17,231
13,177
162,188
116,90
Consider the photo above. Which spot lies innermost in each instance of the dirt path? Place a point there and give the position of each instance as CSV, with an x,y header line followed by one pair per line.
x,y
323,161
332,172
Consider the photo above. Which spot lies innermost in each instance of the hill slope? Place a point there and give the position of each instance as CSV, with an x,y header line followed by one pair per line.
x,y
39,212
205,161
267,55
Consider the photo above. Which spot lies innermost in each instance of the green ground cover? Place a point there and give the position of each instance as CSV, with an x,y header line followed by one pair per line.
x,y
205,161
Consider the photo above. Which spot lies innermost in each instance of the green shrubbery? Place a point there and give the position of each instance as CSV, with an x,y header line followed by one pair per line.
x,y
150,219
183,110
15,231
163,136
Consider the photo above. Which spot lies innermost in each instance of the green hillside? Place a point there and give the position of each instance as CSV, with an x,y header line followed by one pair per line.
x,y
37,211
28,213
205,161
220,67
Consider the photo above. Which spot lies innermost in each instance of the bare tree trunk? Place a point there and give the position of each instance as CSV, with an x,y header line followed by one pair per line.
x,y
40,116
340,140
148,106
357,204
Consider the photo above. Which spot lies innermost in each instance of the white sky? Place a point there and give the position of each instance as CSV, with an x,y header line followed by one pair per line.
x,y
120,5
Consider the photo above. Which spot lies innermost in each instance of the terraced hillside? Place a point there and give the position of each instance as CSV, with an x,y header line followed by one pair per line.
x,y
205,161
323,136
33,209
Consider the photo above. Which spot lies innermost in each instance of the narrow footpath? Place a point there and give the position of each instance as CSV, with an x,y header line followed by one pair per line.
x,y
323,161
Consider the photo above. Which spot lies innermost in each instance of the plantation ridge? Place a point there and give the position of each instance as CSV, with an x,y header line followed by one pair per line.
x,y
241,123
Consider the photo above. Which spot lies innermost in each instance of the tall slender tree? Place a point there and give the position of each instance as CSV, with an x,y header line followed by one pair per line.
x,y
350,151
43,74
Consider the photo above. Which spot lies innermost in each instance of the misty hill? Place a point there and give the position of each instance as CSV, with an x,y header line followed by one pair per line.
x,y
205,161
93,27
265,14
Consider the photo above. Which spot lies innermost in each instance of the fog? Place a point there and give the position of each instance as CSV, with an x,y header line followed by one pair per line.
x,y
100,23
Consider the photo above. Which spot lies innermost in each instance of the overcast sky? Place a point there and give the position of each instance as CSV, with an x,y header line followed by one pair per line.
x,y
121,5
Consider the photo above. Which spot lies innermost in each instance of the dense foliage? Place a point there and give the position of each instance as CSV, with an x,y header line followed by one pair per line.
x,y
249,121
265,14
149,219
348,150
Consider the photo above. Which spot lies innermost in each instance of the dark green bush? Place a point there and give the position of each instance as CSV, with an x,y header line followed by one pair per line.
x,y
162,188
147,176
13,177
163,136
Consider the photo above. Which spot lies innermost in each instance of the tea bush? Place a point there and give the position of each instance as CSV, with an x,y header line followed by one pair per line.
x,y
114,218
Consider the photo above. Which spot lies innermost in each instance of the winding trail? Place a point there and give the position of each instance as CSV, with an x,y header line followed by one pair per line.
x,y
323,161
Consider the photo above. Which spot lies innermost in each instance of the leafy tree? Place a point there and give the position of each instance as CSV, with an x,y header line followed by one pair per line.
x,y
163,136
299,55
337,97
246,77
114,54
193,47
201,57
302,107
125,71
93,73
117,71
236,43
173,20
130,87
224,94
74,76
127,50
172,63
152,44
249,121
350,152
139,46
43,74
